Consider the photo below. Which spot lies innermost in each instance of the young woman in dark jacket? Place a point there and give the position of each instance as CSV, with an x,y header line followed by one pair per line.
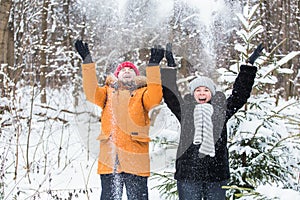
x,y
202,165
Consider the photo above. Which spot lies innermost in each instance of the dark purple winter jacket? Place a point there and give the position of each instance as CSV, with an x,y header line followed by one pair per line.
x,y
189,166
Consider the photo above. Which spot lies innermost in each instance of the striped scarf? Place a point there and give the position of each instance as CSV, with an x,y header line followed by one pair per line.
x,y
204,129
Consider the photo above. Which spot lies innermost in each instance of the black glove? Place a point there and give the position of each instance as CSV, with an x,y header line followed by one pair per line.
x,y
157,54
255,54
169,56
83,50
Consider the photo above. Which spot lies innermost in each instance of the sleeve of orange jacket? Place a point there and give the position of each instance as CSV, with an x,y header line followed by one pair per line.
x,y
153,94
90,84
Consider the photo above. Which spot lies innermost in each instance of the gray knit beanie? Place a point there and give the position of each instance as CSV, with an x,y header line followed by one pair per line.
x,y
203,81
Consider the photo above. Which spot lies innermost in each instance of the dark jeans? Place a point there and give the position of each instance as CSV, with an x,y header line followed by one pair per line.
x,y
191,190
112,186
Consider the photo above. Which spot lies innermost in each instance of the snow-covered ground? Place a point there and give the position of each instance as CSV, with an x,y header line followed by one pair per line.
x,y
64,158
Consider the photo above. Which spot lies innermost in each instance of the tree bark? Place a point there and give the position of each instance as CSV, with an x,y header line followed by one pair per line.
x,y
43,74
6,41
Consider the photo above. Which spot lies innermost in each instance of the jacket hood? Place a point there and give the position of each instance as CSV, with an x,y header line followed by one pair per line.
x,y
138,82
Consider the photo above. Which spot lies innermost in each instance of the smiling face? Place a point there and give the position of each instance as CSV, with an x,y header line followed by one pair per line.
x,y
202,94
126,74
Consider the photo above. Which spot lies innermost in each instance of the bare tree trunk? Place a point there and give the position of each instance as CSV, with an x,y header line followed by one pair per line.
x,y
43,51
287,20
6,41
68,44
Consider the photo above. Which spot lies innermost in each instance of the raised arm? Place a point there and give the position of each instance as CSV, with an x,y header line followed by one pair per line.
x,y
171,93
153,94
90,82
242,86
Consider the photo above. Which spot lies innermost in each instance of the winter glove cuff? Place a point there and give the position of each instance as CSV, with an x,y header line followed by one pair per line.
x,y
88,59
152,64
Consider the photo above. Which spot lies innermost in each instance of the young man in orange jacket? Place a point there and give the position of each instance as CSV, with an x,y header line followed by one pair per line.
x,y
125,99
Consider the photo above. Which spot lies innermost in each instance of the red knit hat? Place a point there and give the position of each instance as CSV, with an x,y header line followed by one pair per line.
x,y
126,64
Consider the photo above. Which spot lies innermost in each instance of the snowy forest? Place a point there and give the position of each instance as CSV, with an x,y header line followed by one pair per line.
x,y
48,146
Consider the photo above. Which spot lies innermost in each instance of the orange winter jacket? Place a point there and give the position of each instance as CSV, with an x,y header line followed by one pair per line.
x,y
124,138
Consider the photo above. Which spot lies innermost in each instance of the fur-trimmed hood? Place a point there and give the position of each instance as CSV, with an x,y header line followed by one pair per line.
x,y
138,82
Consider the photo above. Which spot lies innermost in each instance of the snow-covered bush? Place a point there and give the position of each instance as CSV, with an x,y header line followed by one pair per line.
x,y
264,135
